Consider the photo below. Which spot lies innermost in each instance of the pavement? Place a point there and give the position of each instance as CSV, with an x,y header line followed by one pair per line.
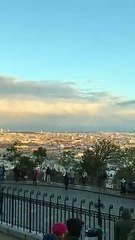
x,y
92,189
88,193
4,236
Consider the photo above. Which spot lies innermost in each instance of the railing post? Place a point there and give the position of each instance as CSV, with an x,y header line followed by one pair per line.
x,y
73,207
65,206
24,208
1,201
14,189
50,212
99,205
81,207
30,210
37,194
18,214
110,208
43,216
90,204
58,198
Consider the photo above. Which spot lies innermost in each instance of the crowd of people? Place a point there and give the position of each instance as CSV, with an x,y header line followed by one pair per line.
x,y
45,174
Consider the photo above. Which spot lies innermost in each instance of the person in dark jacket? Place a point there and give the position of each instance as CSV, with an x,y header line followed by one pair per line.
x,y
66,180
74,227
48,175
124,226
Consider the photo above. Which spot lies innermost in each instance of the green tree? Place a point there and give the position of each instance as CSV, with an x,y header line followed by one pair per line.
x,y
27,163
67,159
126,167
95,159
13,154
40,155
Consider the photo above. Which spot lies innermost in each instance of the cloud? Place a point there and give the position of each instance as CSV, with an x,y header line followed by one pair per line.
x,y
127,103
12,87
59,105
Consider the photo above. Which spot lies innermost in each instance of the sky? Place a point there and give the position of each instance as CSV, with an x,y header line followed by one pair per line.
x,y
67,65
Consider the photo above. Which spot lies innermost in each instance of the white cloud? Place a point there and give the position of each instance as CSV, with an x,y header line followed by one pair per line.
x,y
58,105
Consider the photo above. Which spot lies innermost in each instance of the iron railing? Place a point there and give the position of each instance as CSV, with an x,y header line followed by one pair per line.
x,y
36,212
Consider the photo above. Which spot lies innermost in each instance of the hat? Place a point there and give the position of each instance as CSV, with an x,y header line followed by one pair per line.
x,y
74,226
59,228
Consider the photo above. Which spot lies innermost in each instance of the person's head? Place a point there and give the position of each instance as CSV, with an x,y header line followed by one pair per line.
x,y
126,214
74,227
59,229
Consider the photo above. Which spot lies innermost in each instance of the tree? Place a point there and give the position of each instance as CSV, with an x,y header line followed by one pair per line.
x,y
126,167
95,159
13,154
40,155
26,162
67,159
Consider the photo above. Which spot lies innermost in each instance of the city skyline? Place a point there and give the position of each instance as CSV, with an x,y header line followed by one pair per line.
x,y
67,66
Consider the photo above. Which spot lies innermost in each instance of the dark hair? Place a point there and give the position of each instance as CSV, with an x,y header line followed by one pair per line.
x,y
74,227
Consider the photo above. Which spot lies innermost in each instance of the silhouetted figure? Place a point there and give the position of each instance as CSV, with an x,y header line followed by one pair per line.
x,y
84,177
16,173
124,226
35,175
48,175
123,186
66,180
72,176
104,179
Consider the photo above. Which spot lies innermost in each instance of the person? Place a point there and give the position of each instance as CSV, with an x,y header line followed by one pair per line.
x,y
104,179
16,171
74,227
123,185
44,174
35,175
124,226
84,177
58,232
48,175
66,180
72,176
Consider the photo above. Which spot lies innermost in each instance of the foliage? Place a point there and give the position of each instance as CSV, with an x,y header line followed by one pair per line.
x,y
13,154
26,163
124,172
127,166
95,159
40,155
67,159
18,159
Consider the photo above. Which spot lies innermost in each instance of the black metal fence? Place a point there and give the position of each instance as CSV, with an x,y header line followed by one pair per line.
x,y
36,212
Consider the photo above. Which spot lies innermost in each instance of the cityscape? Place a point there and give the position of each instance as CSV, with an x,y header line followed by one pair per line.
x,y
55,142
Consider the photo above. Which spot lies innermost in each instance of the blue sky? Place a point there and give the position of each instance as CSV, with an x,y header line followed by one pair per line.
x,y
90,43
